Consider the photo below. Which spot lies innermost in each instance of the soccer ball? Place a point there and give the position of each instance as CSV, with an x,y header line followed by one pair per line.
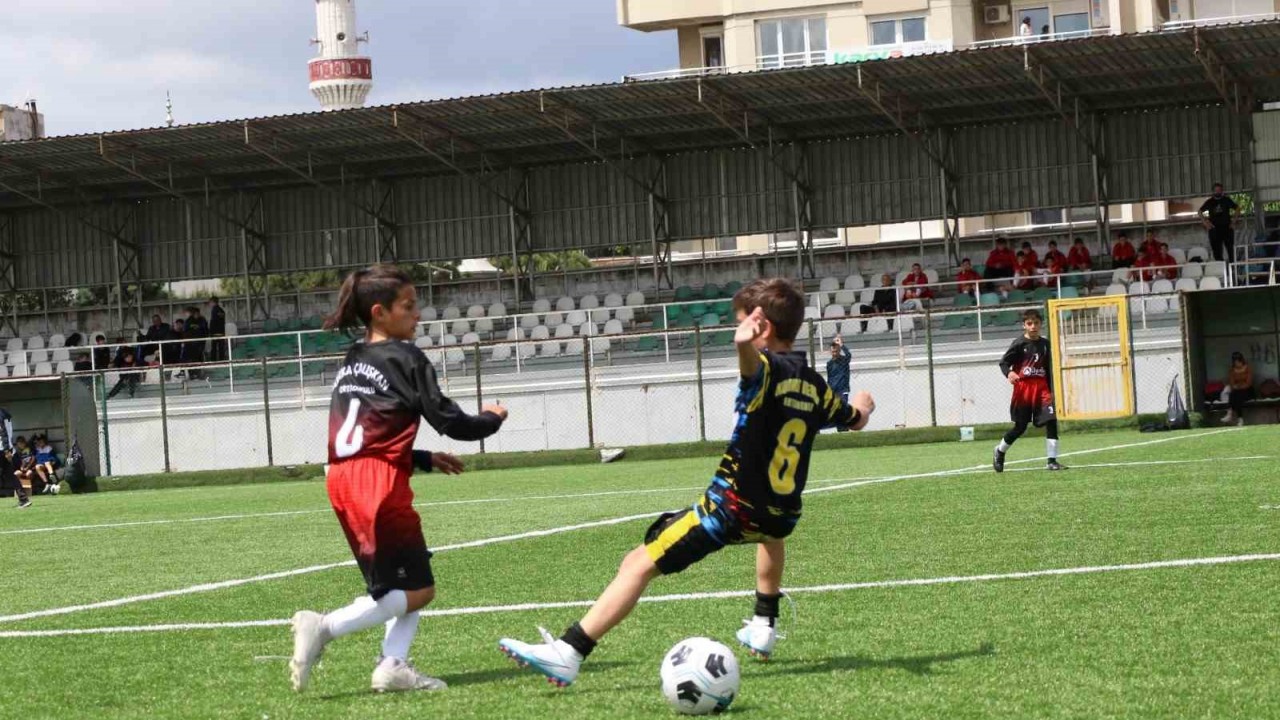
x,y
700,676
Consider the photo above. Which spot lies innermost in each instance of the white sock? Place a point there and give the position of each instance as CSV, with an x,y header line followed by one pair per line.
x,y
400,633
365,613
1003,446
1051,449
762,620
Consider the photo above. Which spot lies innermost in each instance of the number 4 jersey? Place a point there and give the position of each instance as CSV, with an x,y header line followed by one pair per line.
x,y
779,413
380,393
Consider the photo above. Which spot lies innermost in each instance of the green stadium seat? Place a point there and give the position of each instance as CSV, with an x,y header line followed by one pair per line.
x,y
1044,293
723,308
1019,296
963,300
1070,292
312,322
648,343
990,298
1007,317
697,310
710,291
731,288
292,324
271,325
953,322
684,293
709,320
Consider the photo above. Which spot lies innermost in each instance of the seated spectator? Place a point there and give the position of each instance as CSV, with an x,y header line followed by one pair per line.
x,y
1054,265
1053,253
1150,244
1168,266
172,352
915,289
74,340
101,353
1030,252
1001,262
1146,267
1240,386
1025,273
128,380
82,362
24,463
967,278
156,333
46,466
1122,253
884,301
1078,259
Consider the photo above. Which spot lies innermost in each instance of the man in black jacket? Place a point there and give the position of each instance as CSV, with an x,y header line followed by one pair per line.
x,y
157,332
6,459
217,331
885,301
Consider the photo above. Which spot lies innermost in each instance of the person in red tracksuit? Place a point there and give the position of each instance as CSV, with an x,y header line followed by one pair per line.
x,y
384,387
1028,366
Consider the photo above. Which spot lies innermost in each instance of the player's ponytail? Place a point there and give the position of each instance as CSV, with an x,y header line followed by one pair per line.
x,y
377,285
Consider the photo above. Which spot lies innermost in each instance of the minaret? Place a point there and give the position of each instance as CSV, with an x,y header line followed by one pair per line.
x,y
340,77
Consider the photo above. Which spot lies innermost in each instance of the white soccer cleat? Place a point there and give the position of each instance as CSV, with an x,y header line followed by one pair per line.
x,y
555,659
396,675
308,645
758,637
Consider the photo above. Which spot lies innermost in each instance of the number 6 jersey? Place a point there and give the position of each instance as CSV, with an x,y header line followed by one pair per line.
x,y
381,391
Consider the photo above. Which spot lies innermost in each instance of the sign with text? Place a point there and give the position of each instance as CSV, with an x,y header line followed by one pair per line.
x,y
883,52
341,69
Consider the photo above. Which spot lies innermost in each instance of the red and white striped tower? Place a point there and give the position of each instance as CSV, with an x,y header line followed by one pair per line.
x,y
340,76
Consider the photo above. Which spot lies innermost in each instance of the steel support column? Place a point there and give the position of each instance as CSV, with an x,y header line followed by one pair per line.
x,y
802,211
253,244
950,198
127,271
521,227
1101,192
384,196
660,227
8,276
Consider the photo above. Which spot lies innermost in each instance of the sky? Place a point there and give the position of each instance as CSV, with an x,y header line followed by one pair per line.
x,y
100,65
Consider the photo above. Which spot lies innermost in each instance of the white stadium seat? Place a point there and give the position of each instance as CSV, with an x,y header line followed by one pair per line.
x,y
497,310
428,314
1185,285
850,327
42,369
575,318
38,356
57,340
1199,252
460,327
613,327
15,345
613,300
845,297
424,342
574,347
551,348
233,329
624,314
600,315
1210,283
484,326
449,340
540,333
877,325
833,311
565,304
1117,289
829,284
1194,271
526,350
601,345
635,298
35,343
1161,286
451,313
868,296
589,302
564,331
501,352
542,306
854,282
1215,269
554,319
1179,255
65,367
470,339
528,322
515,334
475,311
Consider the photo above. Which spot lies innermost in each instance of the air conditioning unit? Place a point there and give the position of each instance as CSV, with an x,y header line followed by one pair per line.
x,y
995,14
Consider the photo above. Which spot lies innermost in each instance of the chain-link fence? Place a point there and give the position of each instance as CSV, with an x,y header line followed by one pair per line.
x,y
649,385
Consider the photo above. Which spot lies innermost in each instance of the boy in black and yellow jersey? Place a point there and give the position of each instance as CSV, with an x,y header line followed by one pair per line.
x,y
754,496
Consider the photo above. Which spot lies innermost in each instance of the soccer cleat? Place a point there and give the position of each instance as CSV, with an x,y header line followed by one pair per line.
x,y
997,461
308,645
24,504
396,675
1054,465
758,637
555,659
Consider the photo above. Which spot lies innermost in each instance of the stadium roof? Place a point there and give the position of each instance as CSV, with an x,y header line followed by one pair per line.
x,y
1121,73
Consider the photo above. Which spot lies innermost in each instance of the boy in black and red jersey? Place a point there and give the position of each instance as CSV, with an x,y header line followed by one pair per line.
x,y
1028,366
384,387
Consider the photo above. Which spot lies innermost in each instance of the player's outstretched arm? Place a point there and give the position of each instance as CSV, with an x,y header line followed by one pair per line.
x,y
751,327
450,420
863,405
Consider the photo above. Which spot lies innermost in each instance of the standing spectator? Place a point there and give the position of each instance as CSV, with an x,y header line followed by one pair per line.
x,y
101,353
217,330
196,332
46,465
1025,30
916,289
1001,262
1240,386
1078,258
1123,254
1054,253
157,332
1030,255
885,301
838,372
172,352
6,459
1217,214
967,277
127,380
1044,30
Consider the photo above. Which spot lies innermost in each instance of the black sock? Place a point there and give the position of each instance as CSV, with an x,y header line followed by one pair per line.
x,y
767,606
578,640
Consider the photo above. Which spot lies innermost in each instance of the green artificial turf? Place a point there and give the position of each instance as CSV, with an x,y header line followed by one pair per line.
x,y
1168,642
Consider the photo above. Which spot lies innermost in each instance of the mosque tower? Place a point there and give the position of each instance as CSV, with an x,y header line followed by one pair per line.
x,y
340,76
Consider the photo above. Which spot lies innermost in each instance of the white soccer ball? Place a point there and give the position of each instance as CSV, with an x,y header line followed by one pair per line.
x,y
55,489
700,676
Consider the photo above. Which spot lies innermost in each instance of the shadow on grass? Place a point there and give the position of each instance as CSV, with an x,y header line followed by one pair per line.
x,y
916,664
477,677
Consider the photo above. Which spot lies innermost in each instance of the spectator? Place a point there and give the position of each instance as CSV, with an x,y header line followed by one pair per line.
x,y
6,459
838,372
74,340
101,353
1146,266
217,330
196,332
1025,30
1240,387
1044,30
1168,267
157,332
1078,259
1123,253
885,300
915,288
128,380
173,352
82,362
1029,252
24,463
1150,245
1217,214
1054,265
1024,276
967,278
1054,253
46,466
1001,262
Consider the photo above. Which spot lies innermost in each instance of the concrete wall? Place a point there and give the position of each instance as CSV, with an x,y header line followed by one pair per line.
x,y
639,405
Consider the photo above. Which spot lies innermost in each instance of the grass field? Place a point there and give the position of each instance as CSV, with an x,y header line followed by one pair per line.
x,y
1171,640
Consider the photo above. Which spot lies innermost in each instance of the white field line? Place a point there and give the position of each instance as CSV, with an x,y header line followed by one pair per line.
x,y
209,587
1139,463
722,594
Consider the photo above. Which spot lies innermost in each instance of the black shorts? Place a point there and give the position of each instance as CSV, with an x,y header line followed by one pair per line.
x,y
398,569
1032,402
677,540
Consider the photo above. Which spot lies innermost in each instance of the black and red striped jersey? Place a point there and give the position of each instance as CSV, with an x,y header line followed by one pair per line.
x,y
1028,358
382,391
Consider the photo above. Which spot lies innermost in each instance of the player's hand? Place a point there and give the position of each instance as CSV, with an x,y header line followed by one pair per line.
x,y
446,463
751,327
1013,378
838,342
865,405
496,409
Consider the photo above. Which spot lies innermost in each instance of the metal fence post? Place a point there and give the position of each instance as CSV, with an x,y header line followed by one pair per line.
x,y
702,405
164,418
479,389
928,343
591,426
266,412
106,425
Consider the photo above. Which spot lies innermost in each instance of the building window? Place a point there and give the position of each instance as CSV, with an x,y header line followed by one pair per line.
x,y
790,42
898,31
